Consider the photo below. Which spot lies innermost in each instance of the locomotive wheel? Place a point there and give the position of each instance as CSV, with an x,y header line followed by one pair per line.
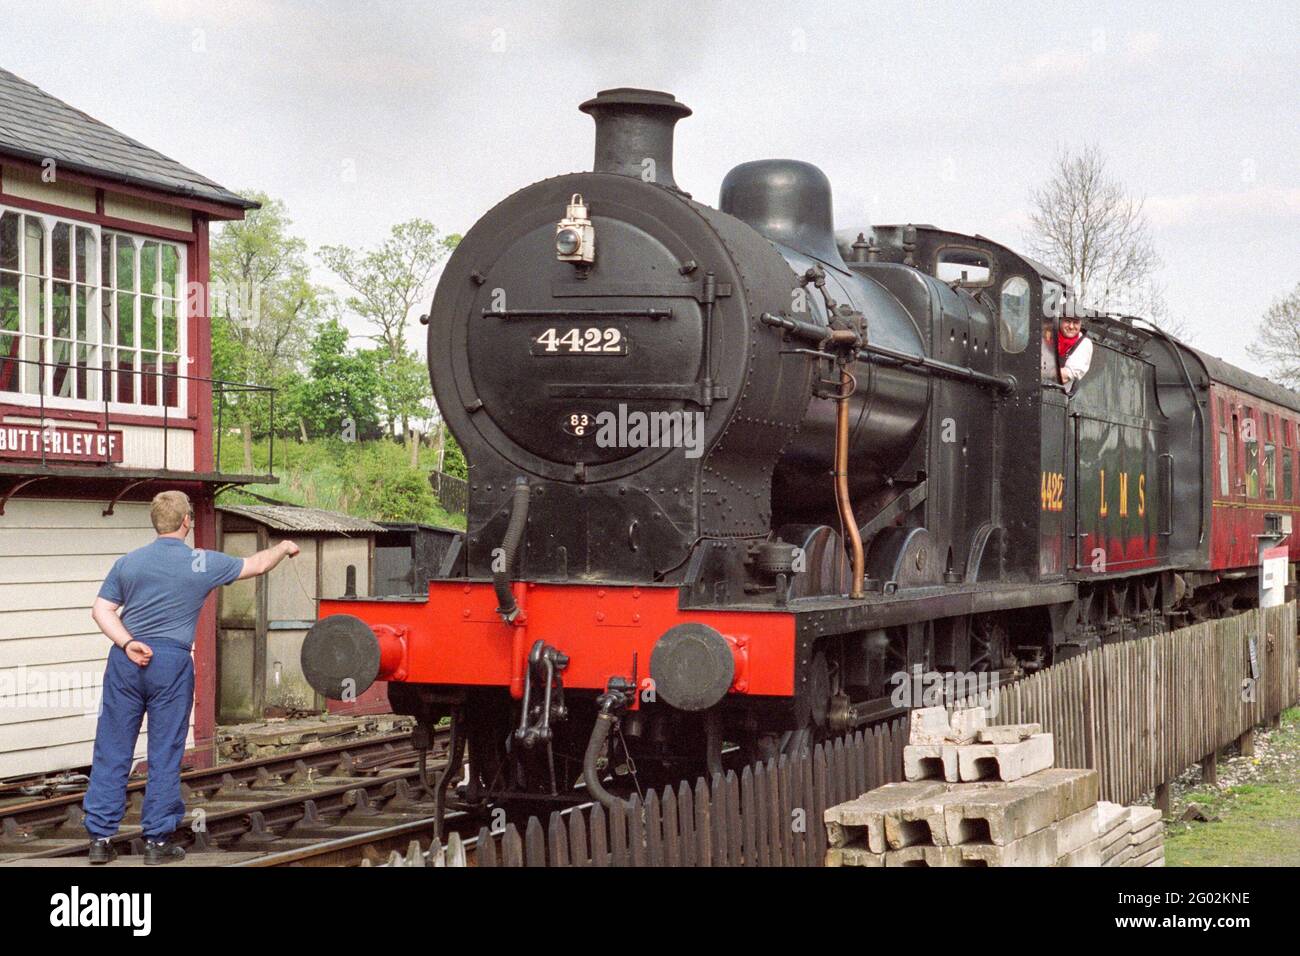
x,y
810,721
823,682
990,645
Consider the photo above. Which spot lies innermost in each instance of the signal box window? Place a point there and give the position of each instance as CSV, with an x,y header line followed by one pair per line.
x,y
88,315
1013,327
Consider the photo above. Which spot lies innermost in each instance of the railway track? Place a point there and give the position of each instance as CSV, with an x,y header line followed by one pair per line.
x,y
249,808
360,803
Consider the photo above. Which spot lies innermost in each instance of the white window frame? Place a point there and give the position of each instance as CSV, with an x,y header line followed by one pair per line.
x,y
95,309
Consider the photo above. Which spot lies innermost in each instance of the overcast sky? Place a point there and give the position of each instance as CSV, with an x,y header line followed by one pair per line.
x,y
360,115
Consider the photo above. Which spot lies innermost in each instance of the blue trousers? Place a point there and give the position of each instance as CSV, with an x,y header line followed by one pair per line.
x,y
164,690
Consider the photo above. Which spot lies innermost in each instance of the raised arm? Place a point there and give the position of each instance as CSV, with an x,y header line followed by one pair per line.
x,y
264,561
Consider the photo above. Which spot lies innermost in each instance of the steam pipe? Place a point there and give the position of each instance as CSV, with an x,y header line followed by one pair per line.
x,y
590,775
842,502
507,606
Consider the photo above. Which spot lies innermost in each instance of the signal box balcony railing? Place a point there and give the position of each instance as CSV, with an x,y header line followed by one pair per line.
x,y
120,393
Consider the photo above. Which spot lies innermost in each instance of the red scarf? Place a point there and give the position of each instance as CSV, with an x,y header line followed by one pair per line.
x,y
1064,345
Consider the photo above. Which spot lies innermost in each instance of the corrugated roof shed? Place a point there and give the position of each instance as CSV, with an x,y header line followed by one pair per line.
x,y
291,518
36,126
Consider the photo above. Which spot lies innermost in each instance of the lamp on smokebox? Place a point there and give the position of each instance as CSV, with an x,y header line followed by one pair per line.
x,y
575,236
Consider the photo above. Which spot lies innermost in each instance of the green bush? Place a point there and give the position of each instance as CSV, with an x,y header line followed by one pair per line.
x,y
367,479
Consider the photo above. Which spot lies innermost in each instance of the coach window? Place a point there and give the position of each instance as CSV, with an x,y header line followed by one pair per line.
x,y
1288,490
1014,325
1288,442
1236,441
1252,456
1225,463
1270,470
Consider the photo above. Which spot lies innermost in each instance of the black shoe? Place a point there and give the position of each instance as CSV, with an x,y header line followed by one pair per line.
x,y
157,852
102,851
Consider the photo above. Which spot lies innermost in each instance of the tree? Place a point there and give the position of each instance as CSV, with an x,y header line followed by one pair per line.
x,y
403,387
386,284
264,309
1087,227
340,395
1277,340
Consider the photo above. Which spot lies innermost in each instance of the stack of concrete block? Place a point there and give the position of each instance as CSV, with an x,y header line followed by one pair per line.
x,y
979,795
1147,836
965,748
1115,832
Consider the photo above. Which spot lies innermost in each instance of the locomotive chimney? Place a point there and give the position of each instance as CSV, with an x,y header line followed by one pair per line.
x,y
634,133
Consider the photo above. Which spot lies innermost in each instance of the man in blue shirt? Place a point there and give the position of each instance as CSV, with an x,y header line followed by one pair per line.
x,y
149,606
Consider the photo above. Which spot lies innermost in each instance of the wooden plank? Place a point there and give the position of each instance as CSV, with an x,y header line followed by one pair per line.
x,y
672,837
578,839
703,825
812,850
599,836
636,838
486,848
618,853
719,830
686,824
821,792
735,826
784,782
534,843
512,848
839,773
558,840
775,824
750,814
654,834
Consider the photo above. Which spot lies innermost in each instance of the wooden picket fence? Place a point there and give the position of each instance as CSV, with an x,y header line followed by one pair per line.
x,y
1139,712
1142,711
452,492
770,814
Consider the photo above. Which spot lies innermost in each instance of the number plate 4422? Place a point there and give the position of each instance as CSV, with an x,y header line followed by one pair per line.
x,y
573,341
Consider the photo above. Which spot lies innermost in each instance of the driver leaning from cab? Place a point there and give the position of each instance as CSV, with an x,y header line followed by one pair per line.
x,y
1067,354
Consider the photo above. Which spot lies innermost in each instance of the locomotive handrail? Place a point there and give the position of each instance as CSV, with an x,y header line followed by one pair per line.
x,y
1003,383
867,352
655,314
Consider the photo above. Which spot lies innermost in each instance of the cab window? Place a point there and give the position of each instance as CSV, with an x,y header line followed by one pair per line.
x,y
1013,326
970,267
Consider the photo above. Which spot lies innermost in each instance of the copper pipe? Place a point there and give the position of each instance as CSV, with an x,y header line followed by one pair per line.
x,y
847,386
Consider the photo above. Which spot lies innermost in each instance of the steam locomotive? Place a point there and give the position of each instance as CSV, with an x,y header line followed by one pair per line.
x,y
731,473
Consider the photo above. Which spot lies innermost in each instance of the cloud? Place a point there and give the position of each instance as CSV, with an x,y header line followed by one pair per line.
x,y
1142,45
1060,63
1260,203
229,13
1055,64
